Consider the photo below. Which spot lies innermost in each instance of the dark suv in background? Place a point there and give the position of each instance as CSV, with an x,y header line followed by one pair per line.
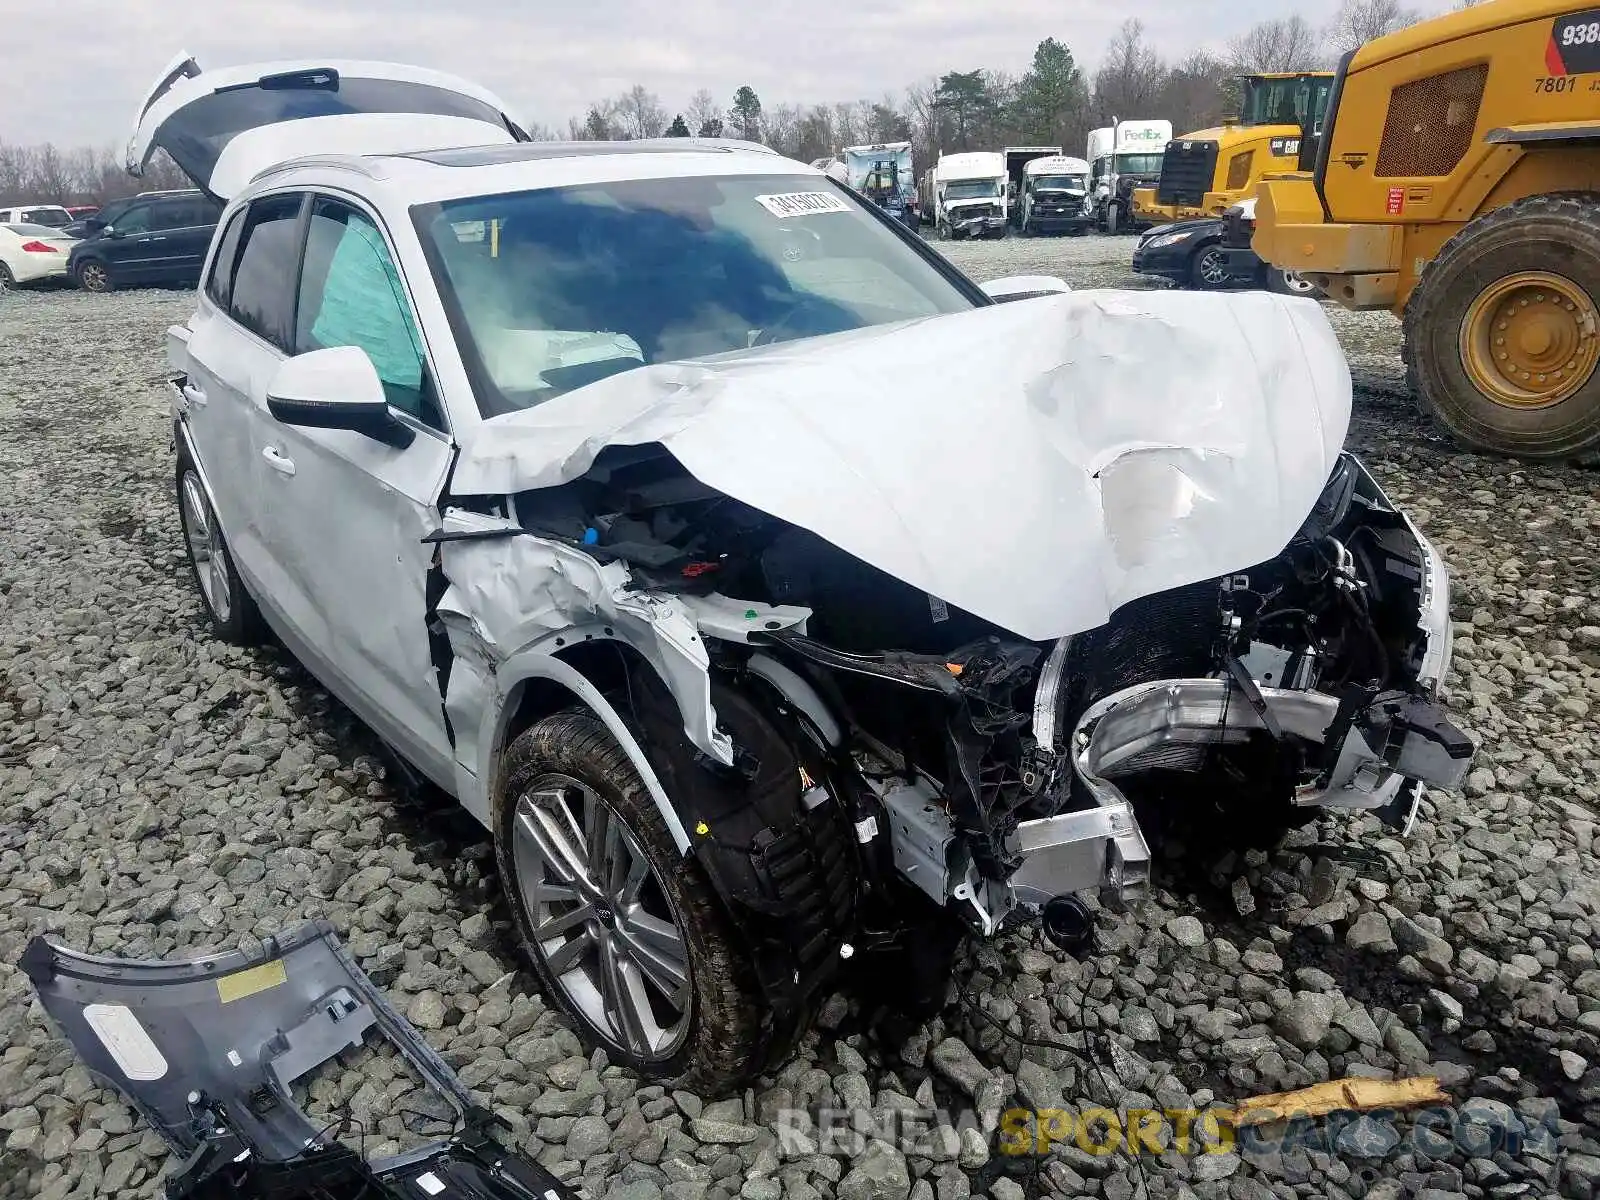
x,y
158,237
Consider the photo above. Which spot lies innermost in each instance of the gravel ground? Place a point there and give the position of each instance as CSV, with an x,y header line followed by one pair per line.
x,y
163,794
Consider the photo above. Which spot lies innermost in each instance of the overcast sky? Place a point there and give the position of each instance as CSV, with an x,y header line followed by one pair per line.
x,y
73,74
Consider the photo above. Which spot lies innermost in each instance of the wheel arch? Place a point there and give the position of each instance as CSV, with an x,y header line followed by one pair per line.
x,y
538,682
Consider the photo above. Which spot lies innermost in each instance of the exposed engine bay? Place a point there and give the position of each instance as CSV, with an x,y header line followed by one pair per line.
x,y
1006,772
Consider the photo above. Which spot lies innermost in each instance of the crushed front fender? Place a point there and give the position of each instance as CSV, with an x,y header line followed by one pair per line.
x,y
208,1049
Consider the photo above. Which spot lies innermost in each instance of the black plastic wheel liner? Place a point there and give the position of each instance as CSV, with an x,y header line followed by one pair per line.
x,y
207,1050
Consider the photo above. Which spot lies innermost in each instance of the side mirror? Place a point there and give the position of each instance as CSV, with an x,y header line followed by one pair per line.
x,y
336,388
1024,287
110,231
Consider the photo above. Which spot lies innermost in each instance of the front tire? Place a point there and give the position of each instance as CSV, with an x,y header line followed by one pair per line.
x,y
941,231
95,276
623,931
7,279
1208,269
234,616
1502,334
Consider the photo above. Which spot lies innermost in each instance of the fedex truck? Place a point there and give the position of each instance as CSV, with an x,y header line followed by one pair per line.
x,y
1123,157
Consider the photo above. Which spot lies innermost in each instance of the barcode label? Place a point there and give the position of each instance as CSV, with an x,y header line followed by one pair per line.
x,y
802,204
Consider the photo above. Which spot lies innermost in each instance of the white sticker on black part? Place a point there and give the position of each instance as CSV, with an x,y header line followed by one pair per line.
x,y
802,204
430,1183
126,1041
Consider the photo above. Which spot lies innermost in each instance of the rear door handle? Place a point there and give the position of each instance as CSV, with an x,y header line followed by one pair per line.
x,y
278,461
194,395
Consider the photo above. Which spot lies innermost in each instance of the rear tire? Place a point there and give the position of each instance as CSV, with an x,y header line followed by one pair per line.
x,y
94,276
7,279
1111,218
715,1041
1536,396
234,615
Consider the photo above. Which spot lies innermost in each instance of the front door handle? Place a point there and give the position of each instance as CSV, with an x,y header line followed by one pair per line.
x,y
278,461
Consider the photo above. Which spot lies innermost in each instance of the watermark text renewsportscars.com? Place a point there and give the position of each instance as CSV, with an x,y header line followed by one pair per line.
x,y
937,1133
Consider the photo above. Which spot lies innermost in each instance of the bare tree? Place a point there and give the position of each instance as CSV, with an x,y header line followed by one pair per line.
x,y
1359,21
1192,95
1128,83
703,114
781,128
1286,44
640,114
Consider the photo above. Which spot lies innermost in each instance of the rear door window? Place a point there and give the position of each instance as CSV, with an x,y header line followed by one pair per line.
x,y
264,279
220,285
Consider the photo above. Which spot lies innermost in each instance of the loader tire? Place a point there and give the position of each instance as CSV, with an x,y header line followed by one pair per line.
x,y
1502,333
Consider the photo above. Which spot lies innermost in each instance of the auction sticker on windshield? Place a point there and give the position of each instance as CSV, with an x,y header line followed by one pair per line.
x,y
802,204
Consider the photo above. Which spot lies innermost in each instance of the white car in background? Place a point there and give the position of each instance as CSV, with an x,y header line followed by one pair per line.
x,y
53,215
29,253
774,597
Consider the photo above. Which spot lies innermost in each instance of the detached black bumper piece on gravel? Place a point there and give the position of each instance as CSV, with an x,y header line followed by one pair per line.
x,y
207,1051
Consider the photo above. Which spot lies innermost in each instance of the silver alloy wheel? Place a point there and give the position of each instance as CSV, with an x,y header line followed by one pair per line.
x,y
206,548
93,277
1213,267
602,923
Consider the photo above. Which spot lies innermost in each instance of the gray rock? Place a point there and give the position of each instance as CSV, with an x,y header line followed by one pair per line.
x,y
1370,931
880,1173
427,1010
1306,1020
954,1059
588,1137
723,1133
1187,932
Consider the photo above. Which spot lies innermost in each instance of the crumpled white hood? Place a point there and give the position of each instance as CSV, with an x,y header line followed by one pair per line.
x,y
1037,463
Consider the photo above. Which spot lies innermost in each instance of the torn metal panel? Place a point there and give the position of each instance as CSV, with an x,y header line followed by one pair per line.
x,y
507,593
1035,468
514,590
207,1050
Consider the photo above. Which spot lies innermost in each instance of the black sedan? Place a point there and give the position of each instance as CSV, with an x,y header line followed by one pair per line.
x,y
1196,254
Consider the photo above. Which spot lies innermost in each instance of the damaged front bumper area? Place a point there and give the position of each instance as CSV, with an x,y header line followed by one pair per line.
x,y
208,1050
1312,681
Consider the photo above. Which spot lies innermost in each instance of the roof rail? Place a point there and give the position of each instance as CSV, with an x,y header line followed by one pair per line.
x,y
360,164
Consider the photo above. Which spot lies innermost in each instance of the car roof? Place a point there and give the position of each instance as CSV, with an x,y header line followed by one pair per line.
x,y
422,177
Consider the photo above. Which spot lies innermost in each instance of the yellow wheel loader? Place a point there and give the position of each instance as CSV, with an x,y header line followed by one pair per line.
x,y
1205,173
1457,182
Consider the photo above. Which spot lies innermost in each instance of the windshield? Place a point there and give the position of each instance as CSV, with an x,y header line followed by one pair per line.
x,y
972,189
1061,183
1138,164
573,284
1299,100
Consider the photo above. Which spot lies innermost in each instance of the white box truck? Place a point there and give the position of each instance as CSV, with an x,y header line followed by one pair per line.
x,y
1017,160
1055,195
1123,157
970,194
